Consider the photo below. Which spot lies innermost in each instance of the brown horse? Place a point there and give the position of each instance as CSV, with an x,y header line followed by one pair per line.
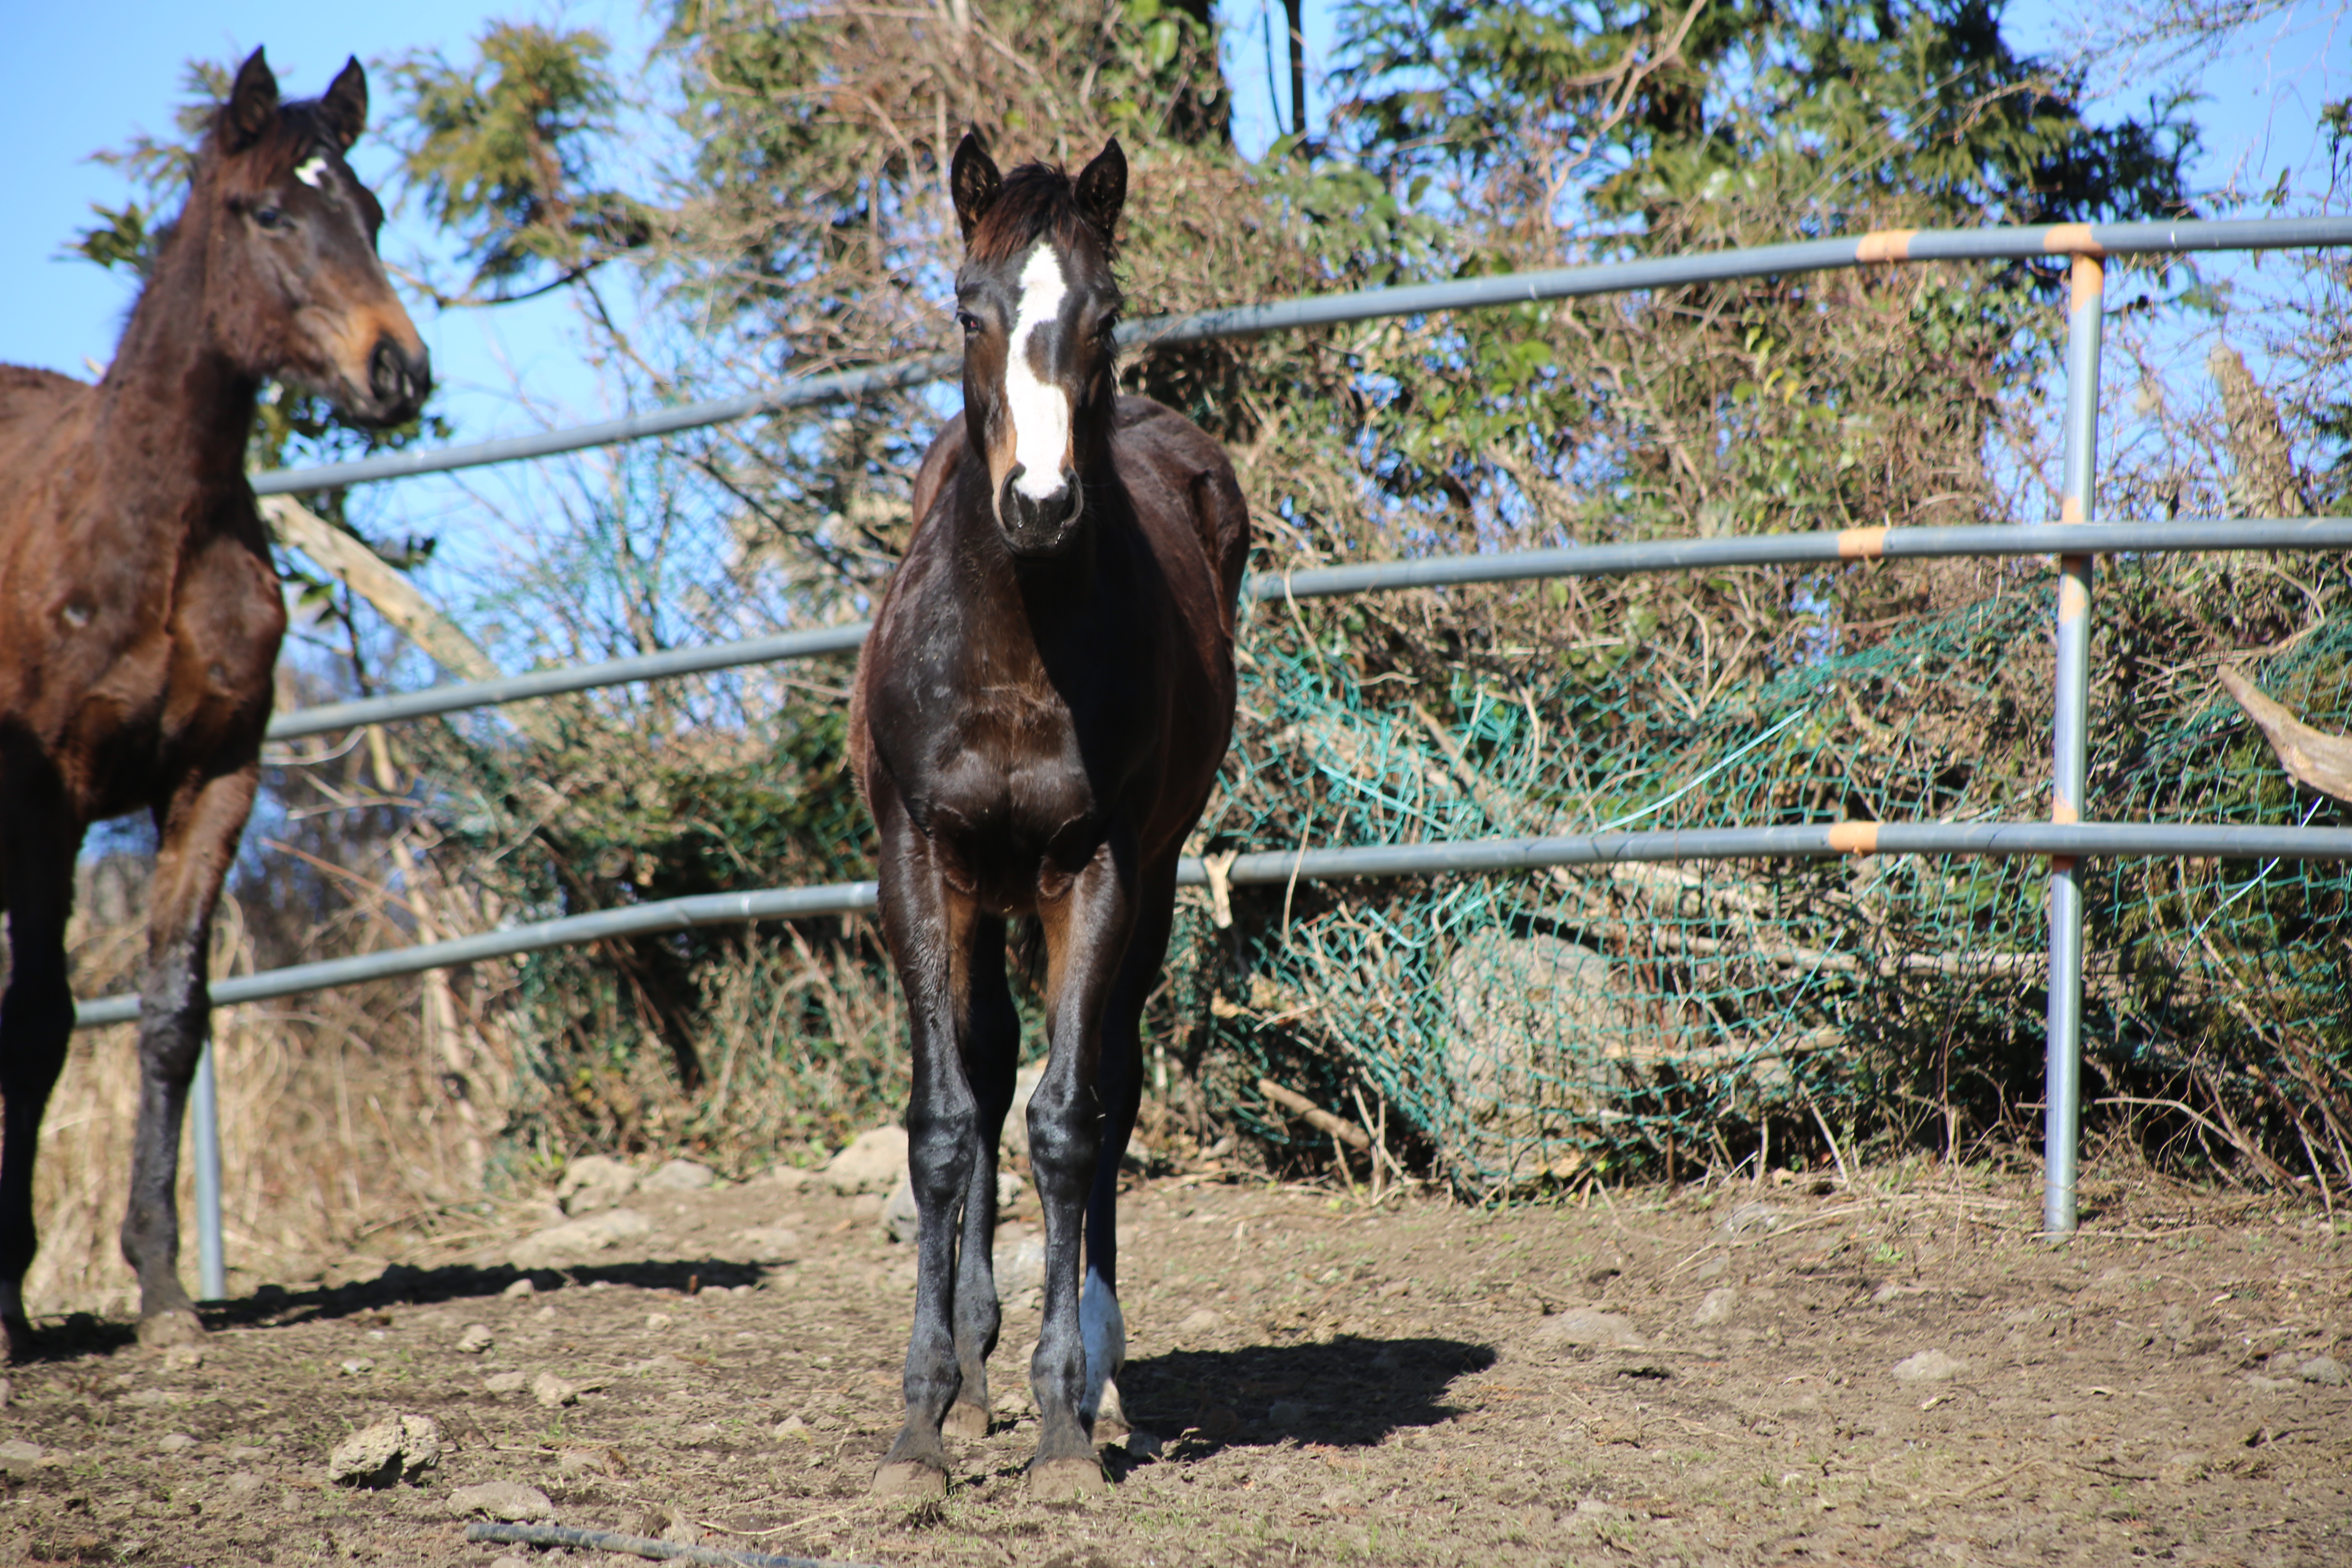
x,y
140,613
1039,716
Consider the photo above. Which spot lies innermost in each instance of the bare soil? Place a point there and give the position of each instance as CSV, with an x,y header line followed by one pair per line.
x,y
1706,1376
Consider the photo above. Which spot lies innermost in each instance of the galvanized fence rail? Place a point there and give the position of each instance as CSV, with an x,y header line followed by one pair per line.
x,y
2065,839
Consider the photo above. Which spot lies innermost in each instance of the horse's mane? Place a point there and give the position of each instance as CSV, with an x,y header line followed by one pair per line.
x,y
1037,201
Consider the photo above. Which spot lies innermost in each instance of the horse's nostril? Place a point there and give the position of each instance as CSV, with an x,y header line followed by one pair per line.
x,y
396,380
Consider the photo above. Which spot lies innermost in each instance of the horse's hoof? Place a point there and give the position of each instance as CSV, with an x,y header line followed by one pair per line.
x,y
910,1480
17,1335
966,1422
172,1326
1066,1481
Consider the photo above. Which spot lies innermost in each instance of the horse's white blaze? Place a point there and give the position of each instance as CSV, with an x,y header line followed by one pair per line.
x,y
1039,410
1102,1328
311,170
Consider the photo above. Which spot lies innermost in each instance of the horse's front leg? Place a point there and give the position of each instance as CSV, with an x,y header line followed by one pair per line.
x,y
991,1049
196,834
1087,924
930,926
38,841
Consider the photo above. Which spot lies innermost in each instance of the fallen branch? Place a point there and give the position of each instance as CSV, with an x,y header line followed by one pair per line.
x,y
1315,1115
2313,758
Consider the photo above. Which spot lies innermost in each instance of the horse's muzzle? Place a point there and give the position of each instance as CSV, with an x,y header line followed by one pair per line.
x,y
398,380
1039,525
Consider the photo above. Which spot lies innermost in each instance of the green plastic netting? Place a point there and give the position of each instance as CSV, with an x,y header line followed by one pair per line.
x,y
1535,1027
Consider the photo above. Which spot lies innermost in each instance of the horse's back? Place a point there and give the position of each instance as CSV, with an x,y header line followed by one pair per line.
x,y
35,405
1186,464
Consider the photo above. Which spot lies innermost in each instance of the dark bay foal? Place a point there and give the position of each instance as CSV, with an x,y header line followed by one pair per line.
x,y
140,612
1039,716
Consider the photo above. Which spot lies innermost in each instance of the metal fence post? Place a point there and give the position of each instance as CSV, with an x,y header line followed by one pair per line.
x,y
2063,1081
212,1272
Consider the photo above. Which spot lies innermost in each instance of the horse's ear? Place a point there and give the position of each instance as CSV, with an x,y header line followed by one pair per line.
x,y
1102,189
252,106
973,181
344,108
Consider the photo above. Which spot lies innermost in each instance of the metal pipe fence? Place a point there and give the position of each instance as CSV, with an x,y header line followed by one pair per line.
x,y
2074,538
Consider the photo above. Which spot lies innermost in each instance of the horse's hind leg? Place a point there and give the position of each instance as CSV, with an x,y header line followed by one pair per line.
x,y
196,838
1086,934
37,847
992,1046
1102,1324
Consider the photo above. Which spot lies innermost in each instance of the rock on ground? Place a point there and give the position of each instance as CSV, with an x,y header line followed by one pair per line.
x,y
553,1391
396,1448
1586,1326
2323,1369
771,1242
1929,1366
874,1161
508,1501
596,1233
476,1339
680,1176
594,1182
1719,1308
1019,1267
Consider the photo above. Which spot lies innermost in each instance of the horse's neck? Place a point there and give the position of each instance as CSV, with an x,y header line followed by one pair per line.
x,y
175,411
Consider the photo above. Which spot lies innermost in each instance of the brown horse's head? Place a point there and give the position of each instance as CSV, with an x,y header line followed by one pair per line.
x,y
292,287
1037,302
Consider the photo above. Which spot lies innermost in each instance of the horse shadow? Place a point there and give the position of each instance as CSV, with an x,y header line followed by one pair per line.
x,y
1348,1392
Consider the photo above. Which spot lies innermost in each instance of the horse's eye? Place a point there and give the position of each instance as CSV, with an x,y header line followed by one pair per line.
x,y
969,322
1108,327
270,217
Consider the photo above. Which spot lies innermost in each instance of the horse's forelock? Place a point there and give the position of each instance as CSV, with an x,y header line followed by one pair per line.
x,y
1036,202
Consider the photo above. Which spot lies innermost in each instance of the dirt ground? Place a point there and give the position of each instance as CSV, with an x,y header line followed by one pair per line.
x,y
1893,1372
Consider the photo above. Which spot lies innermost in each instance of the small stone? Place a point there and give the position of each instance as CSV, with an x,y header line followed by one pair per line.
x,y
1891,1291
1199,1320
18,1457
505,1381
576,1462
1713,1268
594,1182
176,1442
769,1243
1586,1326
1286,1414
658,1320
1929,1366
553,1391
358,1366
898,1216
476,1339
2323,1369
872,1163
1010,1190
182,1358
574,1238
1718,1308
511,1561
790,1429
1145,1445
519,1288
507,1500
680,1176
1018,1268
396,1448
1746,1217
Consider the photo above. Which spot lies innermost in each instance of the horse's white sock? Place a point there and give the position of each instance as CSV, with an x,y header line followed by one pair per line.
x,y
1103,1329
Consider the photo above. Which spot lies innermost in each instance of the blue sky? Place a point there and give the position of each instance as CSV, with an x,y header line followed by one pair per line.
x,y
75,78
